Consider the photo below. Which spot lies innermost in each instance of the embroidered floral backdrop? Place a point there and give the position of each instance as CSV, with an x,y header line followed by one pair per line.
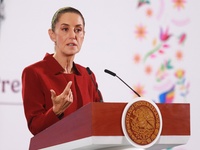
x,y
152,45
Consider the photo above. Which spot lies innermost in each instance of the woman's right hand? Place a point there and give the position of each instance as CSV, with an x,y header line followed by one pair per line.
x,y
63,101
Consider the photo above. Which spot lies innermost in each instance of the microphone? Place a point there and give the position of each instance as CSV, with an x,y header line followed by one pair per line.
x,y
114,74
99,93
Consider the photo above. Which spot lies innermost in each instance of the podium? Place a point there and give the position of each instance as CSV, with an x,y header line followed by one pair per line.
x,y
98,126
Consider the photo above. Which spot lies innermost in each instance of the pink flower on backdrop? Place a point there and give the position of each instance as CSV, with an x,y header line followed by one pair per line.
x,y
164,35
182,38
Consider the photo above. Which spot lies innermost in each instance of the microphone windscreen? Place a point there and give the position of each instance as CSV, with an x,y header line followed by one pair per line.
x,y
110,72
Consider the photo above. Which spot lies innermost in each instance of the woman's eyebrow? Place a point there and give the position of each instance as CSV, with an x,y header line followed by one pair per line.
x,y
65,24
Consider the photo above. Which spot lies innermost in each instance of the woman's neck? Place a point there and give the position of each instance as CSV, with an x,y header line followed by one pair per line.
x,y
65,62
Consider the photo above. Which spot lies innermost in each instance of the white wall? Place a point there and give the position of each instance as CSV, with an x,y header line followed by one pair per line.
x,y
110,43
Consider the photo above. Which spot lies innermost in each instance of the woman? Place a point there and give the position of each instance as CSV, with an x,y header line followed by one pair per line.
x,y
56,86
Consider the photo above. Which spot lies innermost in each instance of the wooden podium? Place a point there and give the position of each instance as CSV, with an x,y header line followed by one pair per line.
x,y
98,126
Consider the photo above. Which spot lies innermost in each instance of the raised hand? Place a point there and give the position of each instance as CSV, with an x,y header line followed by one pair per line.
x,y
63,101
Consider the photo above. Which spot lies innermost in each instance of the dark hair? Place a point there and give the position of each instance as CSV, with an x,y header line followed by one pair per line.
x,y
63,10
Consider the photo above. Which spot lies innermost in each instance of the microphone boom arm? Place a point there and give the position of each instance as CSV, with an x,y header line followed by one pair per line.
x,y
128,86
114,74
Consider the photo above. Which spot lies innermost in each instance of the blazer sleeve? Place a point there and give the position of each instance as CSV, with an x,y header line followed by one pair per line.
x,y
37,116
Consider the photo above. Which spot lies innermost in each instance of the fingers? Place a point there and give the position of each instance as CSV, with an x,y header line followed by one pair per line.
x,y
67,88
70,96
53,94
68,100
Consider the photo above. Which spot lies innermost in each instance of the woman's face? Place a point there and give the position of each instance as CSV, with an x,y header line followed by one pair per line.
x,y
68,34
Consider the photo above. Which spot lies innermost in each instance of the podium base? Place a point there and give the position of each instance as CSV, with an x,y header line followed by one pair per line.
x,y
117,143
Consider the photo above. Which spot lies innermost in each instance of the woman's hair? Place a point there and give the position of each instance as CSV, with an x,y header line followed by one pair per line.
x,y
61,11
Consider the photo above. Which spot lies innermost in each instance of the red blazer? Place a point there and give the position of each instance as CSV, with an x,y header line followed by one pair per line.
x,y
39,78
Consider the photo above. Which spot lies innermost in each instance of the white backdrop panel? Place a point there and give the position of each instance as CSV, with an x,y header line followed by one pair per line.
x,y
109,43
